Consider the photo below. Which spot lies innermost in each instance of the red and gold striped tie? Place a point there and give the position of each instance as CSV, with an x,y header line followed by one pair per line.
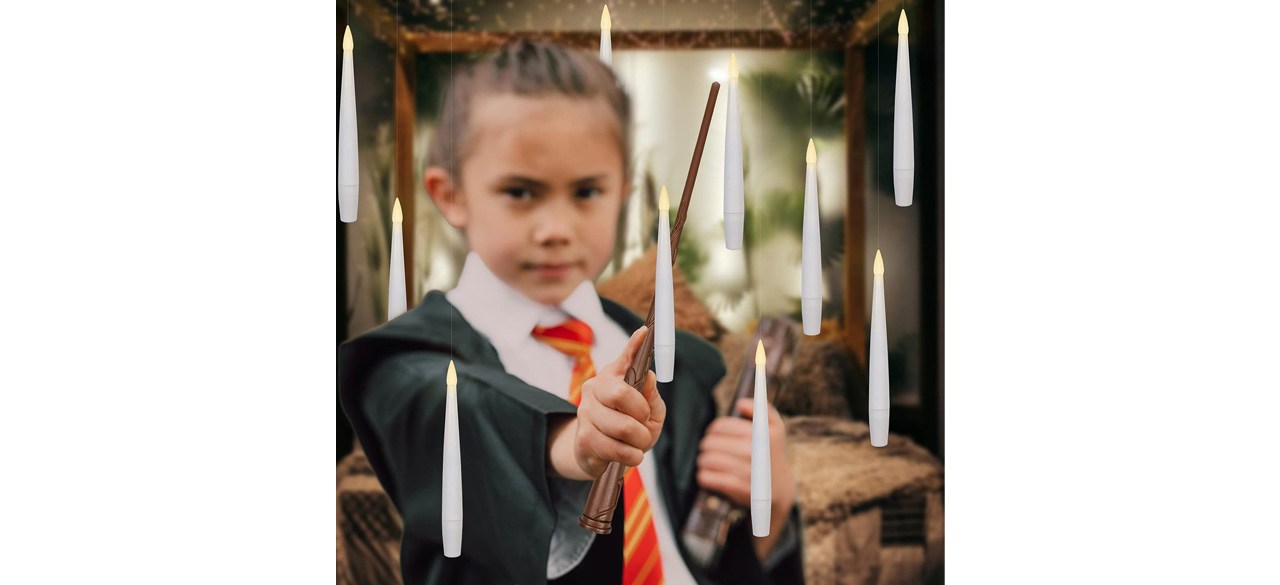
x,y
641,562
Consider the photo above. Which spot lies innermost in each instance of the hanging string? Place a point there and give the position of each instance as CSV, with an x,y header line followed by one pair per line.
x,y
395,186
876,156
452,152
811,70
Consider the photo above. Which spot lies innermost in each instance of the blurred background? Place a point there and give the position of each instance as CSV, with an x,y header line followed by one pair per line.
x,y
823,69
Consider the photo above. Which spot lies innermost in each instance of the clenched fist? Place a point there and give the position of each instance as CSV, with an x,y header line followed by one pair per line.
x,y
724,465
614,422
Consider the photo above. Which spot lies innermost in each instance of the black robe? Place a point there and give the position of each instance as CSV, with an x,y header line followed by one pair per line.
x,y
391,382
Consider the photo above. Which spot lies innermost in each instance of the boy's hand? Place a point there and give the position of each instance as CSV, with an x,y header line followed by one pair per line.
x,y
724,461
616,423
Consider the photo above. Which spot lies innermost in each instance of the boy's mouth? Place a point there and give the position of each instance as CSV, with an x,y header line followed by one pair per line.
x,y
551,270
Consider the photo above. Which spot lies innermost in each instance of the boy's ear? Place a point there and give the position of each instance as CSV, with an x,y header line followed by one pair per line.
x,y
445,194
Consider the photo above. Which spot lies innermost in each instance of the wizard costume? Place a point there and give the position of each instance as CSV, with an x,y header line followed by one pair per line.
x,y
391,384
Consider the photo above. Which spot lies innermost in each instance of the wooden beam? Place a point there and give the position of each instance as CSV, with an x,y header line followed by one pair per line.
x,y
855,222
872,21
405,183
824,38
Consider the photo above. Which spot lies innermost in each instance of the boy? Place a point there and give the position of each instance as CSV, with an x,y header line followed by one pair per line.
x,y
530,164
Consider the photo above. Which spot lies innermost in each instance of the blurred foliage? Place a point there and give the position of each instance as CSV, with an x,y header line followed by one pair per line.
x,y
377,238
823,86
790,91
692,255
778,212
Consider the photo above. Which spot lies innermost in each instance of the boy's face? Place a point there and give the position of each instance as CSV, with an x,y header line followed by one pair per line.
x,y
541,190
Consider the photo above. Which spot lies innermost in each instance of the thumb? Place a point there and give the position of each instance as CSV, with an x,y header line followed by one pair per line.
x,y
619,366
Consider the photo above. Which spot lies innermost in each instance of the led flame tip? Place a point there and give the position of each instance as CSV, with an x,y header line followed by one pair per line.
x,y
811,154
902,22
733,66
347,43
397,216
664,202
760,353
606,23
878,268
452,377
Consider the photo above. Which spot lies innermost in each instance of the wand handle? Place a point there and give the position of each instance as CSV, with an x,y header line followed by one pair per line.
x,y
597,515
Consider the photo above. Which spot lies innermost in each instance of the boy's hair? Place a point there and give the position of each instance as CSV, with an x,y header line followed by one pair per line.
x,y
531,68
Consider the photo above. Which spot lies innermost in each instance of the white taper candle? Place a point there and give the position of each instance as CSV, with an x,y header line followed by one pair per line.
x,y
904,148
733,189
396,302
811,251
606,42
878,368
664,308
348,149
451,488
761,467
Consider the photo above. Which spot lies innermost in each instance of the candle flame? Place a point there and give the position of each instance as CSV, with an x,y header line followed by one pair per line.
x,y
811,155
902,22
606,24
664,202
452,377
878,269
733,66
397,216
347,44
760,353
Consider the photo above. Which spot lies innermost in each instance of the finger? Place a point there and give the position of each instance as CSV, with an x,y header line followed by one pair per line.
x,y
730,427
650,384
623,398
657,406
606,448
658,414
725,463
623,453
620,427
618,367
775,417
776,424
731,487
747,407
735,446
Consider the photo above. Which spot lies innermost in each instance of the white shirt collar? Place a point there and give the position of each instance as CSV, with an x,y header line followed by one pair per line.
x,y
506,316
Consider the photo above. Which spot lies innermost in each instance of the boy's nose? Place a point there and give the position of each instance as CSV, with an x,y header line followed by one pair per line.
x,y
555,227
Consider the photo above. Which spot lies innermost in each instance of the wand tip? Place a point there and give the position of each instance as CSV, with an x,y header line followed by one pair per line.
x,y
811,154
606,24
733,66
878,268
902,22
760,353
452,377
347,43
397,216
664,201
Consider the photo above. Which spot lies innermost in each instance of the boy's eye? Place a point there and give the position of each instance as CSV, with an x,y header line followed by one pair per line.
x,y
588,192
520,193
